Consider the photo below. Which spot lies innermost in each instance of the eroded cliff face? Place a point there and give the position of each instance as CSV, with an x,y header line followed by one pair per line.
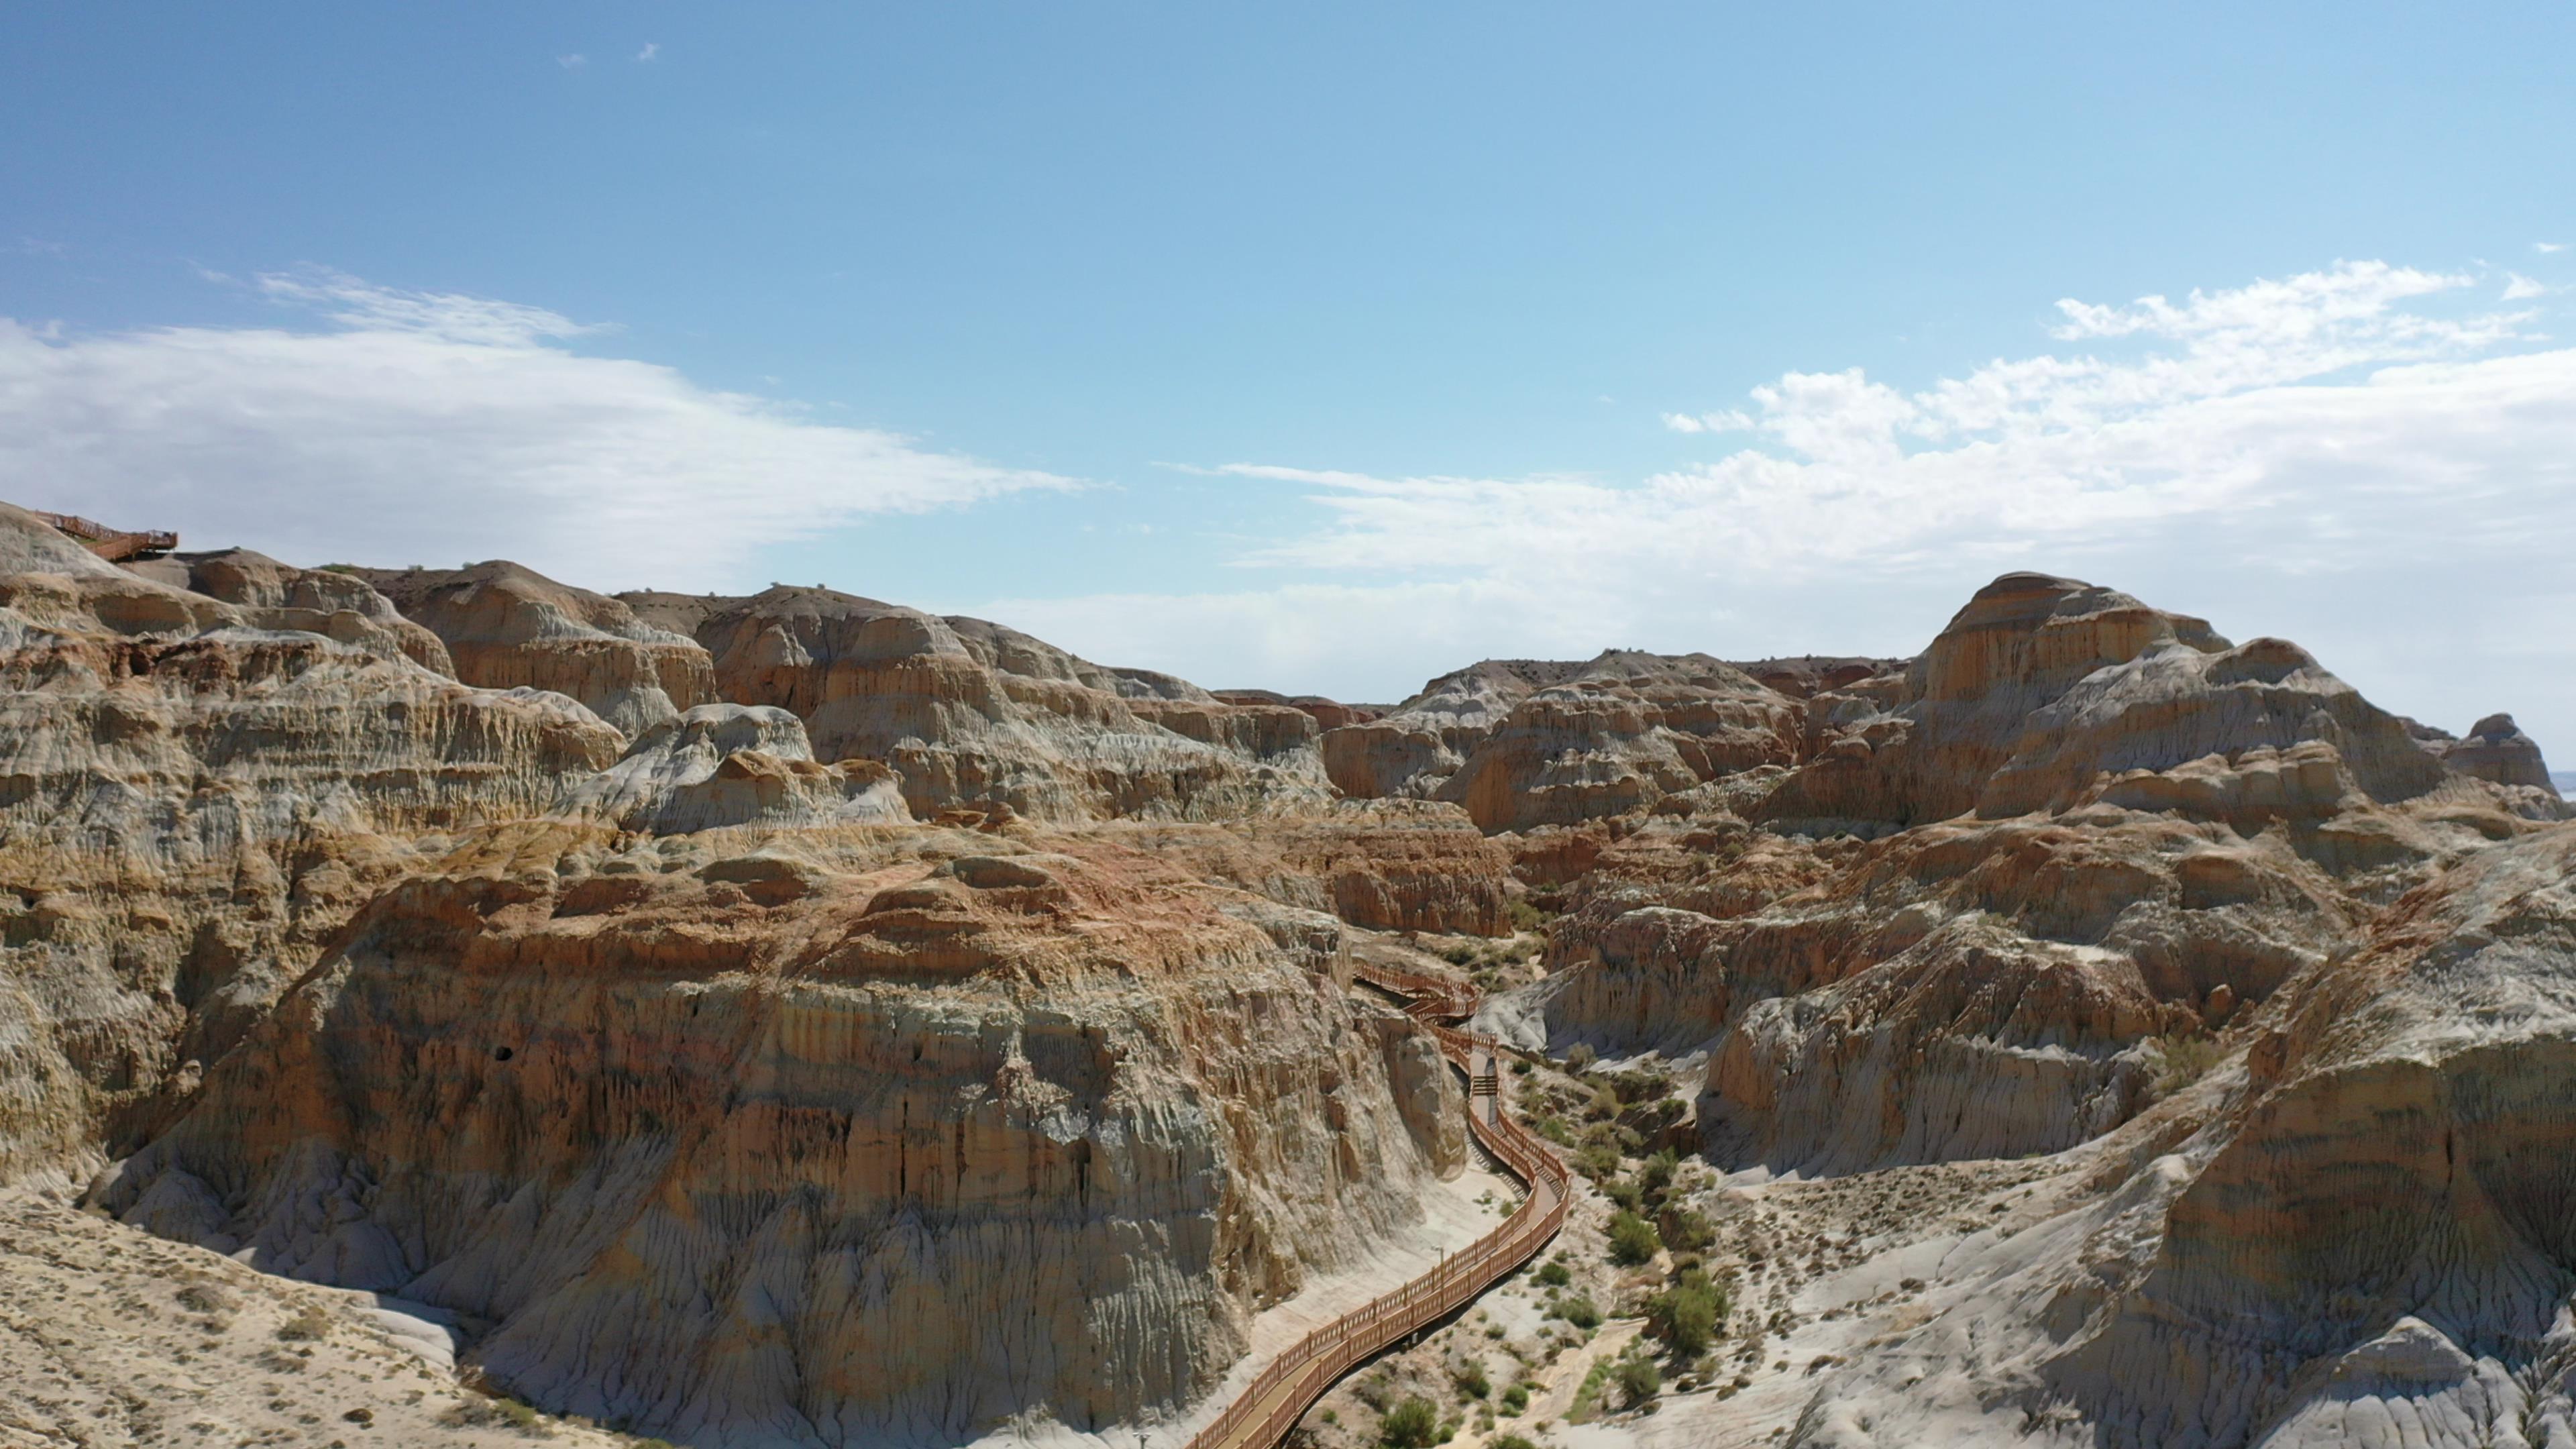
x,y
1523,743
973,716
509,627
803,1019
198,794
824,1139
715,1093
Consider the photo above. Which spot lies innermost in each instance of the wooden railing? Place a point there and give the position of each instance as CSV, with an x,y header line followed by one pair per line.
x,y
1428,998
108,543
1263,1413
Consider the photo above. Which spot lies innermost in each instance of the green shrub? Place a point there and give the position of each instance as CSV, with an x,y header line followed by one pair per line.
x,y
1515,1400
1410,1425
2182,1059
1580,1312
1624,1194
1553,1274
1471,1380
1686,1231
1639,1380
1632,1240
1377,1390
1657,1174
1509,1441
1645,1084
306,1326
1580,1060
1685,1316
1599,1161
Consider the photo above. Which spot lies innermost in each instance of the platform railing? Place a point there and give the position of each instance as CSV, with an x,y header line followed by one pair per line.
x,y
1280,1395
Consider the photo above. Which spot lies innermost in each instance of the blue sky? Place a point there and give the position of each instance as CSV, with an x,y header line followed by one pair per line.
x,y
1331,346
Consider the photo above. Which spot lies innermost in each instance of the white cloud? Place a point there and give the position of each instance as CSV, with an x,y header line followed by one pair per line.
x,y
574,61
415,427
2518,287
2342,457
651,49
2549,246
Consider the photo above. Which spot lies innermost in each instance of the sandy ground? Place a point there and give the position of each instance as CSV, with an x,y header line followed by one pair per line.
x,y
111,1337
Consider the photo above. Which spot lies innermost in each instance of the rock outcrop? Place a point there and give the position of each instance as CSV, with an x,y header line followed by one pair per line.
x,y
804,1019
509,627
732,764
816,1141
972,715
197,796
1521,743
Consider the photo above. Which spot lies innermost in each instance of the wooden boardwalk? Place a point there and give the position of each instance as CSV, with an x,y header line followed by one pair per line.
x,y
1264,1412
113,544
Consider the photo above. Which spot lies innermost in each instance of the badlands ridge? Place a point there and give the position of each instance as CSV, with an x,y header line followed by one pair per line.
x,y
803,1020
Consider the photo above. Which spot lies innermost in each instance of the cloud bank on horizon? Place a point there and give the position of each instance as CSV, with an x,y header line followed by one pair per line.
x,y
412,427
2377,461
2372,459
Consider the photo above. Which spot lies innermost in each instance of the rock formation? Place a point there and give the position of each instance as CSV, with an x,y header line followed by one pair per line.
x,y
508,627
826,1138
974,716
797,1018
1521,743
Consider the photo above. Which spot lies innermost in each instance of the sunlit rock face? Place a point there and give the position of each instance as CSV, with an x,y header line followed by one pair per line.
x,y
832,1130
2138,832
804,1019
199,792
1523,743
510,627
973,716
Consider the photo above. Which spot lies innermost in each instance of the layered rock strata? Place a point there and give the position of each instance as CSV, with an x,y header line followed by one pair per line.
x,y
828,1140
973,716
509,627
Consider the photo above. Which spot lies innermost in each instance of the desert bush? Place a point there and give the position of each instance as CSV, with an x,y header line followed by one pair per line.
x,y
1685,1231
1471,1380
1580,1059
1410,1425
1552,1274
306,1326
1639,1380
1685,1316
2182,1059
1657,1173
1632,1240
207,1296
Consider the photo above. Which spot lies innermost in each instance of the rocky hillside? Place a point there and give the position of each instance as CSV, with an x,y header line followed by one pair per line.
x,y
802,1019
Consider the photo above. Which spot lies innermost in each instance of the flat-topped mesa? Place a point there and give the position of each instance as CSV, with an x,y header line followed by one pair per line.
x,y
975,716
1522,743
507,626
